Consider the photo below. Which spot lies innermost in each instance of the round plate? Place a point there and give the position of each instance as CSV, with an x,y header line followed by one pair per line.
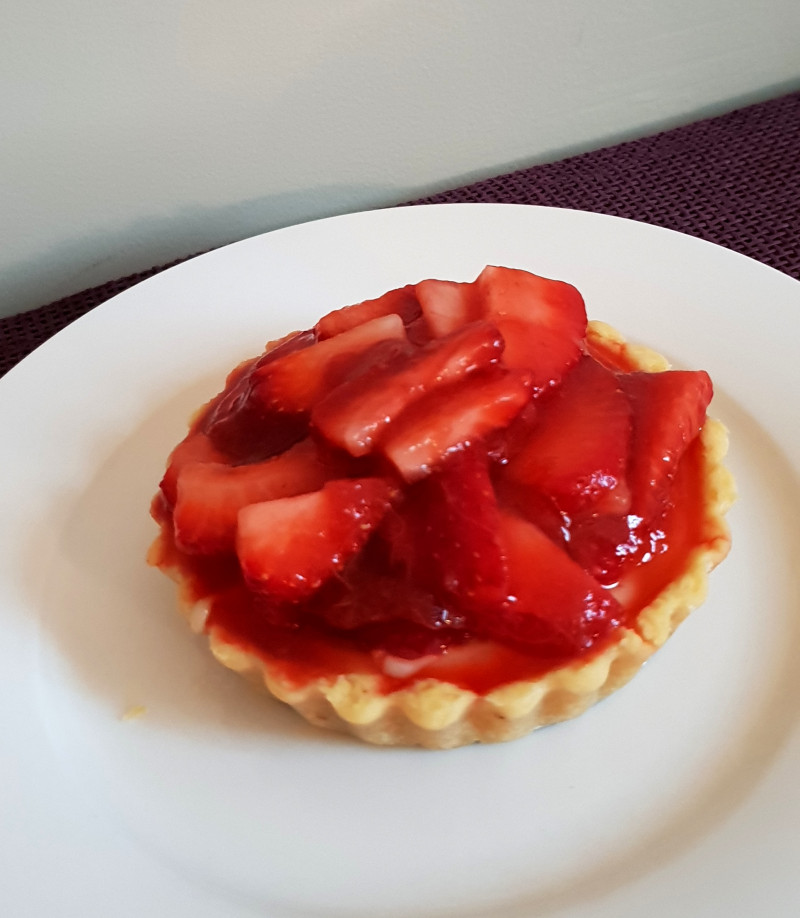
x,y
679,794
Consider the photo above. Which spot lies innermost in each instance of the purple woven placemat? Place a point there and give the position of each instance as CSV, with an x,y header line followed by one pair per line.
x,y
733,180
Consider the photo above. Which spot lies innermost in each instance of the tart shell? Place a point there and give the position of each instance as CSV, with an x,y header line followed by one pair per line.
x,y
439,715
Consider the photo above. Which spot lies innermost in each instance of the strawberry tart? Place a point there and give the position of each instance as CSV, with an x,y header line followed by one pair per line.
x,y
451,514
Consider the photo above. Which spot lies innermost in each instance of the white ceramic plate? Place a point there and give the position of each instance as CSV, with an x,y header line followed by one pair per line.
x,y
678,795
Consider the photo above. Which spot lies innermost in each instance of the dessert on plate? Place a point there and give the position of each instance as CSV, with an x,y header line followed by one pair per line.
x,y
451,514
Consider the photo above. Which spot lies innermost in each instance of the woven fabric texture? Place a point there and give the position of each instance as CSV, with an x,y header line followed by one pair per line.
x,y
733,180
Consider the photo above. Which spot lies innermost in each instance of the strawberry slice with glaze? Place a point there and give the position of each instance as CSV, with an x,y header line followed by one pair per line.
x,y
357,413
450,418
669,409
239,425
195,448
448,305
457,544
370,599
402,302
577,450
553,605
210,495
606,544
543,321
288,548
295,382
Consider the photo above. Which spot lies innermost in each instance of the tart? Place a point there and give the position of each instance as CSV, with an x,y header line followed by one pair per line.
x,y
451,514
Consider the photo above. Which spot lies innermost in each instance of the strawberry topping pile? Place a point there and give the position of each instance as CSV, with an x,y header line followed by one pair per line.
x,y
445,462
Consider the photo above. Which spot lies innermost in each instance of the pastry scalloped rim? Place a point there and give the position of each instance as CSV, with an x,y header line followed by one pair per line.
x,y
439,715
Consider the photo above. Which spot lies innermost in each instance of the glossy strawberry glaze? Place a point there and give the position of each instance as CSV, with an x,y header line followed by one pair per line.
x,y
312,651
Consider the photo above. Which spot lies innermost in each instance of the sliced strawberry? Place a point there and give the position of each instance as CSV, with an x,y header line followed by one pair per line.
x,y
210,495
457,549
288,548
449,418
533,505
448,305
227,404
295,341
553,604
669,410
418,332
543,321
239,425
403,302
605,544
357,413
368,599
577,449
295,383
196,447
507,442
